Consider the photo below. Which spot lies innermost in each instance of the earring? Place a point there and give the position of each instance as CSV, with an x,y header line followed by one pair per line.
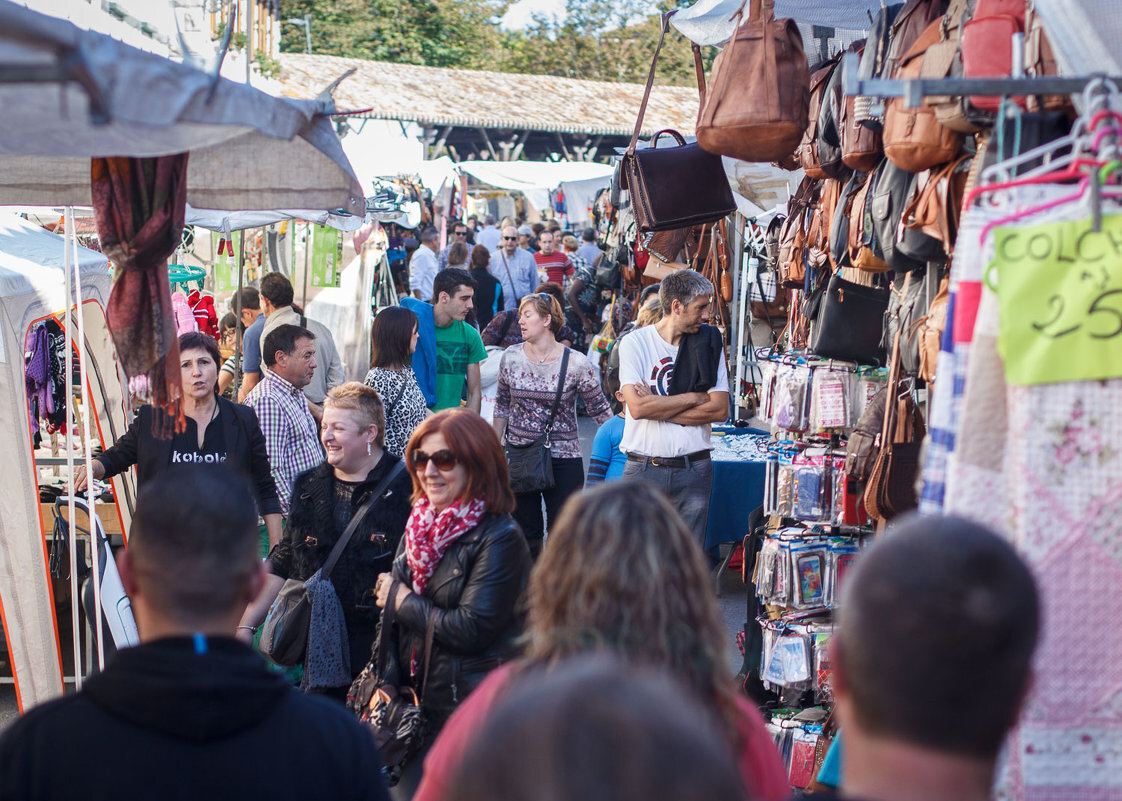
x,y
368,451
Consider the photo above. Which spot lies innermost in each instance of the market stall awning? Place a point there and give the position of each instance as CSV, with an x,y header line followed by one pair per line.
x,y
711,22
226,221
71,95
535,179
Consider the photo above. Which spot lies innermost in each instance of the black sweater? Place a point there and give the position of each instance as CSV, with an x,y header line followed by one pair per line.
x,y
245,451
164,721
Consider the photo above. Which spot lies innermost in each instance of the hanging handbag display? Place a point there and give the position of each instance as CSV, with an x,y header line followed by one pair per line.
x,y
807,151
531,465
284,635
850,322
756,106
392,712
673,187
860,145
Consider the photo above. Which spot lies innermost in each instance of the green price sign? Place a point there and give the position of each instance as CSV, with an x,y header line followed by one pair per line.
x,y
326,254
226,260
1059,288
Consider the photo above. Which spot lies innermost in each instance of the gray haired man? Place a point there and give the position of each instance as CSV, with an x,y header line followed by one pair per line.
x,y
666,437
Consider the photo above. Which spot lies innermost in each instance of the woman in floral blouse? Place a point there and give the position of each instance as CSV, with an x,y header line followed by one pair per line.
x,y
394,338
528,377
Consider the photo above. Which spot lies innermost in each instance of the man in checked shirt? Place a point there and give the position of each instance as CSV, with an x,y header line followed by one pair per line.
x,y
291,433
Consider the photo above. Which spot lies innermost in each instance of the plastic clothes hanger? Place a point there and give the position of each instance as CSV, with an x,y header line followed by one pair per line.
x,y
1091,182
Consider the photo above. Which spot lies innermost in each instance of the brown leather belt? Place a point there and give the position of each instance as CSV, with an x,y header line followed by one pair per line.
x,y
669,461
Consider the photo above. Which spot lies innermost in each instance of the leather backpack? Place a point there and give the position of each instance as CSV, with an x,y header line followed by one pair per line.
x,y
793,235
987,45
931,332
886,205
807,150
829,126
943,59
872,66
860,144
907,27
863,251
930,221
913,139
756,106
839,225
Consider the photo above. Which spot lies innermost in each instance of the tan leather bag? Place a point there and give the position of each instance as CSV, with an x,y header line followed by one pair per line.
x,y
861,255
756,104
807,151
861,145
943,60
913,139
931,332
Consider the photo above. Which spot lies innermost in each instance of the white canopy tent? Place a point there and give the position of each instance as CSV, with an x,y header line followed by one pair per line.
x,y
32,287
579,180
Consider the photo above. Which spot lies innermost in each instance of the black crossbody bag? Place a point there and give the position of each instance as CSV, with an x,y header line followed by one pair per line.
x,y
531,465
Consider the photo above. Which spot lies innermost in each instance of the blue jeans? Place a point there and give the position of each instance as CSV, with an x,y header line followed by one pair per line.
x,y
688,488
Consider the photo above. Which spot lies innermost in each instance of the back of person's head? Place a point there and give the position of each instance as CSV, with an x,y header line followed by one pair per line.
x,y
391,334
649,598
450,280
684,286
611,387
480,257
458,254
537,228
193,543
597,729
544,303
277,289
649,313
490,219
646,292
937,627
429,236
250,298
589,235
283,338
363,402
570,243
553,288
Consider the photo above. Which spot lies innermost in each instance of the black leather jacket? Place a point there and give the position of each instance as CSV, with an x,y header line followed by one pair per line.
x,y
475,593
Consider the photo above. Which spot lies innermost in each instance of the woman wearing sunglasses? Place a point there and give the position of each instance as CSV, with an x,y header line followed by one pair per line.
x,y
463,563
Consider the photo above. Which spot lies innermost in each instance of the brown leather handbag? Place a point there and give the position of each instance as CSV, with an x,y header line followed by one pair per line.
x,y
756,106
861,252
914,139
891,490
807,151
931,332
673,187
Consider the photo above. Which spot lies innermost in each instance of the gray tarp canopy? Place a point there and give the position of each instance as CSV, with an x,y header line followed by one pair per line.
x,y
249,150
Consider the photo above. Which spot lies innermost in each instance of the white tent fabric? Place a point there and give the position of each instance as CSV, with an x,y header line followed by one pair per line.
x,y
579,196
381,149
248,149
226,221
32,287
534,179
347,313
1084,34
711,22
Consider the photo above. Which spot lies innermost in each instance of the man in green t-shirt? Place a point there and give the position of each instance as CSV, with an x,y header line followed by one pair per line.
x,y
459,348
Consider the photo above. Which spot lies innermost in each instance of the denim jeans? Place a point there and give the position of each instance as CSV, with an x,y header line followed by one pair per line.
x,y
688,488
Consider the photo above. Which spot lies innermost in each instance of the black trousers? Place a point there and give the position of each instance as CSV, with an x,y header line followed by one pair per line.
x,y
568,477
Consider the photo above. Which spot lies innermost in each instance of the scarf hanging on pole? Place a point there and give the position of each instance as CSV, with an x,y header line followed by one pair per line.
x,y
139,206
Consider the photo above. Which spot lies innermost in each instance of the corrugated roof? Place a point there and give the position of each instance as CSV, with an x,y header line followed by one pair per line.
x,y
469,98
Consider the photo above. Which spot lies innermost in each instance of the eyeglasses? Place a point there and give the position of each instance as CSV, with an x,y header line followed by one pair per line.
x,y
460,233
510,238
444,460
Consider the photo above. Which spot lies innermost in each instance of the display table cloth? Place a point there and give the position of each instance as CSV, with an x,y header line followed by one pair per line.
x,y
738,483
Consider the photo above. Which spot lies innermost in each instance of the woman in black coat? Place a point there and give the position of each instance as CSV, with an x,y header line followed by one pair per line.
x,y
217,431
463,564
324,500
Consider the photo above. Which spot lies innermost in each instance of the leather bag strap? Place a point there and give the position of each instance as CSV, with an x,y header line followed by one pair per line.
x,y
650,82
557,395
359,514
699,69
385,629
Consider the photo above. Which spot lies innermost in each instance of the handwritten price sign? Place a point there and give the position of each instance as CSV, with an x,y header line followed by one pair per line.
x,y
1059,288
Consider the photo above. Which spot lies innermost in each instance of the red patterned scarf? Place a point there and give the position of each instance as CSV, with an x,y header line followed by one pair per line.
x,y
429,533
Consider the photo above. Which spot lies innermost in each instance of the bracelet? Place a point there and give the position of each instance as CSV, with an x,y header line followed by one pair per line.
x,y
247,628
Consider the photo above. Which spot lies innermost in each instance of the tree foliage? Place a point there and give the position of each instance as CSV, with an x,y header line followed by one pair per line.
x,y
600,40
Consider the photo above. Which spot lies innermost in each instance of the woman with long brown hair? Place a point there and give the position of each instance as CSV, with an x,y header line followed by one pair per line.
x,y
622,573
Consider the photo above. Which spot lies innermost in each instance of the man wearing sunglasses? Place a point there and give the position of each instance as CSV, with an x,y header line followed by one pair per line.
x,y
515,268
459,234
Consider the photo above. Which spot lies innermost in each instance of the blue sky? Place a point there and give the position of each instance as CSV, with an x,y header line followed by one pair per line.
x,y
518,15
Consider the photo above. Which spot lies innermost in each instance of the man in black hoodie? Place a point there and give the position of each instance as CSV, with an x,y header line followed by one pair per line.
x,y
190,712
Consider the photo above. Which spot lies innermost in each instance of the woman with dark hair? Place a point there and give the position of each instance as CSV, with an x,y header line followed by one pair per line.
x,y
393,339
462,565
216,431
622,574
529,375
488,299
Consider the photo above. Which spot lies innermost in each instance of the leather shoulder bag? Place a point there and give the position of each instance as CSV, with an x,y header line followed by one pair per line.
x,y
673,187
531,465
850,322
284,635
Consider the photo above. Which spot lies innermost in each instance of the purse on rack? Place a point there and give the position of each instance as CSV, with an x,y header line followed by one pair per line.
x,y
531,465
807,150
284,635
849,323
673,187
391,712
756,106
861,446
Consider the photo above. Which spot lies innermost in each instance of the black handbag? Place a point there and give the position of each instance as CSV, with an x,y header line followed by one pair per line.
x,y
850,322
284,635
531,465
392,712
673,187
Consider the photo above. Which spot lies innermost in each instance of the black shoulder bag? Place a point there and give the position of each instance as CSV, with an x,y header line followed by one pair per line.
x,y
284,636
531,465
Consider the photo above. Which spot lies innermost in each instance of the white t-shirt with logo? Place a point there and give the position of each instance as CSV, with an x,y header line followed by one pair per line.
x,y
646,358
